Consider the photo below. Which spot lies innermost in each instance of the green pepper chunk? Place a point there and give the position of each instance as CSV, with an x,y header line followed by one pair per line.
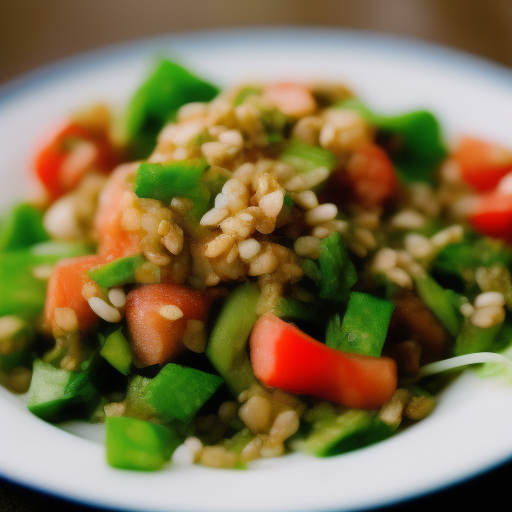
x,y
22,293
117,272
418,137
227,346
182,178
475,339
178,392
337,271
22,228
364,326
56,394
138,444
116,350
332,434
305,158
439,301
157,101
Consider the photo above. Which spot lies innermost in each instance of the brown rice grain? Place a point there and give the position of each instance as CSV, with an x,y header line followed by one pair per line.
x,y
256,414
66,319
248,248
117,297
308,247
488,316
170,312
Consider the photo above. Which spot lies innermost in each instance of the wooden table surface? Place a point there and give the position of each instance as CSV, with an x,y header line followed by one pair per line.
x,y
36,32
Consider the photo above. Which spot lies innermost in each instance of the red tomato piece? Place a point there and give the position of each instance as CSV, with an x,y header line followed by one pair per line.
x,y
65,289
482,164
154,338
284,357
492,215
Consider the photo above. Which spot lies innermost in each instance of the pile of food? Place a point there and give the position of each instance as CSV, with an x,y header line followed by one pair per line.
x,y
223,276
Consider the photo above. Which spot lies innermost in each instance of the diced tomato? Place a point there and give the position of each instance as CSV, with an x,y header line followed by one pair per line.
x,y
492,215
154,338
291,99
368,179
114,200
482,164
284,357
67,152
65,289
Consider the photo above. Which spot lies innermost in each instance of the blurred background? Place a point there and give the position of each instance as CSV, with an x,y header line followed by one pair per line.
x,y
37,32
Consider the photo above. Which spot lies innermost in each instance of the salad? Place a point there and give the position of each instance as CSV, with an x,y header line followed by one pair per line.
x,y
224,276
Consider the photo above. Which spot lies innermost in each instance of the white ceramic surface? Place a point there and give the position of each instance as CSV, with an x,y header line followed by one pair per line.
x,y
470,429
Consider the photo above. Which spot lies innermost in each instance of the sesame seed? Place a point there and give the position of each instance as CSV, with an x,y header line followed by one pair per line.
x,y
170,312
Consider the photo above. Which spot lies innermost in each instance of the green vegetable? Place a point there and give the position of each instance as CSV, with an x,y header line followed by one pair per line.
x,y
117,272
417,135
157,101
182,178
21,293
312,271
16,348
178,392
297,310
55,393
116,350
227,346
332,434
475,339
364,326
439,302
22,228
338,273
137,444
305,158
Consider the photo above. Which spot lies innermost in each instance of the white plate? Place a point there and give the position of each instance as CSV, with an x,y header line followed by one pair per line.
x,y
470,429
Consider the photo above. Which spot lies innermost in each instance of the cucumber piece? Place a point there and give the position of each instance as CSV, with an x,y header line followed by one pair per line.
x,y
138,444
364,326
54,392
117,272
178,392
439,302
116,350
349,431
227,346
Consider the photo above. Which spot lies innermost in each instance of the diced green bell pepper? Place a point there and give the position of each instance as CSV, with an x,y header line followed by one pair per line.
x,y
178,392
22,228
364,326
138,444
244,93
156,102
335,434
227,346
439,302
117,272
305,158
54,391
338,273
182,178
418,134
116,350
21,293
